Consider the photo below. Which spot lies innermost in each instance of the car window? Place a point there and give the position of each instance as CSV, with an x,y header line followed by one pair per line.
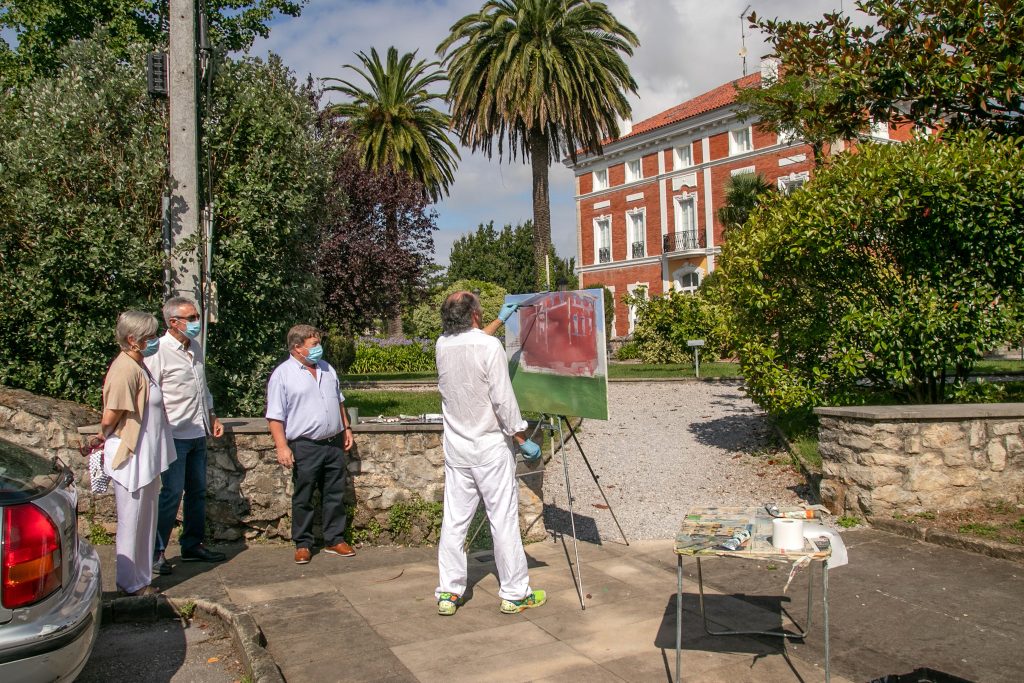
x,y
24,474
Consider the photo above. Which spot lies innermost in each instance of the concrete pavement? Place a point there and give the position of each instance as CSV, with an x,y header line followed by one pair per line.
x,y
900,605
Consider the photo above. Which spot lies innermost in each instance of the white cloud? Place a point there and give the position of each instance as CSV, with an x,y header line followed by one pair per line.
x,y
686,47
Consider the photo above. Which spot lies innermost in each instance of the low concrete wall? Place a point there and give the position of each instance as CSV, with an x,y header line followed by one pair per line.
x,y
393,467
877,460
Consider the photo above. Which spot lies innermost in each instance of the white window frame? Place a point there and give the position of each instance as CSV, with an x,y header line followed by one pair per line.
x,y
734,146
600,185
632,177
679,199
879,129
785,181
677,277
740,171
631,289
631,231
678,162
597,238
787,136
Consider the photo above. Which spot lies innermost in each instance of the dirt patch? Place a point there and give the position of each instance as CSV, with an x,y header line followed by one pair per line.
x,y
997,522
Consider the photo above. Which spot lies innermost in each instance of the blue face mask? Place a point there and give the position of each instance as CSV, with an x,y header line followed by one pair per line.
x,y
315,354
193,328
152,346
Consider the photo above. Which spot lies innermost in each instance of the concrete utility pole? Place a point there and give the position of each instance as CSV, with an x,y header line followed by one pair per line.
x,y
184,214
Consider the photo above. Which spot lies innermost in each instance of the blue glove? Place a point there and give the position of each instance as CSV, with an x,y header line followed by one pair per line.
x,y
531,451
506,312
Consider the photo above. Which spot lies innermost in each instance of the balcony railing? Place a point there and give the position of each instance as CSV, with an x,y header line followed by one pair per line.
x,y
683,241
604,255
638,250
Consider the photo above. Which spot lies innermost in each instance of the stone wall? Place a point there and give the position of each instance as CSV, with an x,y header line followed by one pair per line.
x,y
908,459
394,468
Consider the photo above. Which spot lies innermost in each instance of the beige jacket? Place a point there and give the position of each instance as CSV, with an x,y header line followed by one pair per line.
x,y
126,388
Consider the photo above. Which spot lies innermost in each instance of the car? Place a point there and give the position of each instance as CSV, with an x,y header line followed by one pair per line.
x,y
50,584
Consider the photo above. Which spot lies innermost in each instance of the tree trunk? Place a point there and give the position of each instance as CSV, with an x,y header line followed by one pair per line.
x,y
541,205
394,326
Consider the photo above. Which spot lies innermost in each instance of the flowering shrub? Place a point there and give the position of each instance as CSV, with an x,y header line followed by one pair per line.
x,y
375,355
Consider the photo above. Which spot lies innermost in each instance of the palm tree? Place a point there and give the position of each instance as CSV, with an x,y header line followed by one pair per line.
x,y
544,76
397,128
741,196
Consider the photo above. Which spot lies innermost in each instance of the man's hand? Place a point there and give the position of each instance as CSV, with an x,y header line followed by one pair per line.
x,y
531,451
506,312
286,457
217,427
349,439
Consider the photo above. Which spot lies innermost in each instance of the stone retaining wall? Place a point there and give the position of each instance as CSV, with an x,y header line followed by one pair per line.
x,y
908,459
396,482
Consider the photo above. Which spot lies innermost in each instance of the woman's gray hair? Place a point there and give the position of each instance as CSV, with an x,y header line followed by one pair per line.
x,y
136,324
298,335
457,312
173,305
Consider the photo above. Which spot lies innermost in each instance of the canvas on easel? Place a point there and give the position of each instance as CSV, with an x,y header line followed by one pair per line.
x,y
557,356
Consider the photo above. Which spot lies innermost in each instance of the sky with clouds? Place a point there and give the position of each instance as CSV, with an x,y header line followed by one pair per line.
x,y
686,48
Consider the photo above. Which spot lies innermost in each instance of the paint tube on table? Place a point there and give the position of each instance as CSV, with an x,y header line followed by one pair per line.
x,y
738,539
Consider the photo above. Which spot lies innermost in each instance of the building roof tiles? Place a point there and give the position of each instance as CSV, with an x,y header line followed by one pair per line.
x,y
721,96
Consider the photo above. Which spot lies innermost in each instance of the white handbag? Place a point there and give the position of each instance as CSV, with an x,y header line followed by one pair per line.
x,y
99,480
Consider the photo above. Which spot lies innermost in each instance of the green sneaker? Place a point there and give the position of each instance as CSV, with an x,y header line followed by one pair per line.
x,y
534,599
447,603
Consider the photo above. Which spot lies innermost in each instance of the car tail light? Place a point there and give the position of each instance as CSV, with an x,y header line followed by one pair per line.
x,y
30,567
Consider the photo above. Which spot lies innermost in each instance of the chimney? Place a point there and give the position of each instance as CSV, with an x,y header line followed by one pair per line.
x,y
769,70
625,127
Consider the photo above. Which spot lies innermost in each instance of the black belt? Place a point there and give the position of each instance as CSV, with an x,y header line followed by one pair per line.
x,y
329,441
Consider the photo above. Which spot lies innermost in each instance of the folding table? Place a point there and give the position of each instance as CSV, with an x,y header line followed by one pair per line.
x,y
704,530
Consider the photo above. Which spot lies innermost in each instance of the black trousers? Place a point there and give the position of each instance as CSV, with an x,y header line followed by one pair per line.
x,y
318,465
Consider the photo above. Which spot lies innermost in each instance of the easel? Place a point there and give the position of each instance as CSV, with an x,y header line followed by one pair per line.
x,y
554,423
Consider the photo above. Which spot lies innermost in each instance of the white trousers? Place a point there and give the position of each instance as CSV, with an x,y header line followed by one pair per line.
x,y
136,534
464,487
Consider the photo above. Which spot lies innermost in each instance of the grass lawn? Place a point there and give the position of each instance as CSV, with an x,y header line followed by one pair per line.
x,y
373,403
670,370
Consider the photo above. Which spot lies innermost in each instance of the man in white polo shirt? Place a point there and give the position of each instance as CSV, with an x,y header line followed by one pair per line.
x,y
307,418
179,368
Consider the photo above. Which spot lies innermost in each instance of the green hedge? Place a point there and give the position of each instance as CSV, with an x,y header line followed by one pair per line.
x,y
374,355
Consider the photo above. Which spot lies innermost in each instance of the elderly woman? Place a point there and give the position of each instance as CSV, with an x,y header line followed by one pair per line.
x,y
138,447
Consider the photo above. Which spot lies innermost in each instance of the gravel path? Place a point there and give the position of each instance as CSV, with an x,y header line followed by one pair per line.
x,y
666,447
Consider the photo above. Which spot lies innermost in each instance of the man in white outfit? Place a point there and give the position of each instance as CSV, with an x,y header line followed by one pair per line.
x,y
481,418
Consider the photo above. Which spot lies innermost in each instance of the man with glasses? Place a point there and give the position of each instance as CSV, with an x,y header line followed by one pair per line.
x,y
179,368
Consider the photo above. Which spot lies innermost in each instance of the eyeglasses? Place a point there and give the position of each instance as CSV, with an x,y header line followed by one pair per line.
x,y
191,318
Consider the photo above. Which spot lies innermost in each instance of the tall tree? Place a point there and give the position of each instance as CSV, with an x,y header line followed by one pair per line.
x,y
505,258
949,63
398,128
366,276
43,27
545,77
741,196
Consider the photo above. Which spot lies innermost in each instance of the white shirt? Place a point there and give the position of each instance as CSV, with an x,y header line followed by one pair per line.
x,y
309,407
181,374
479,409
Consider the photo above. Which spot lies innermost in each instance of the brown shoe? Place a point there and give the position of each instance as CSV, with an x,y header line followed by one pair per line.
x,y
302,555
341,548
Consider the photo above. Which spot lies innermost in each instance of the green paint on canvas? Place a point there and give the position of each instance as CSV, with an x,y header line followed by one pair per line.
x,y
560,394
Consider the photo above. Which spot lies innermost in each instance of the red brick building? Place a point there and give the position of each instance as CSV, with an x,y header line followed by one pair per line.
x,y
647,208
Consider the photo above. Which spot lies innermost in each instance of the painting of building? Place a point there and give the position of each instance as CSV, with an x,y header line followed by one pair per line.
x,y
556,349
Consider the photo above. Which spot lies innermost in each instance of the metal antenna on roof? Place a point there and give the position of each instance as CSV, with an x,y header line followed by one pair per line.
x,y
743,38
